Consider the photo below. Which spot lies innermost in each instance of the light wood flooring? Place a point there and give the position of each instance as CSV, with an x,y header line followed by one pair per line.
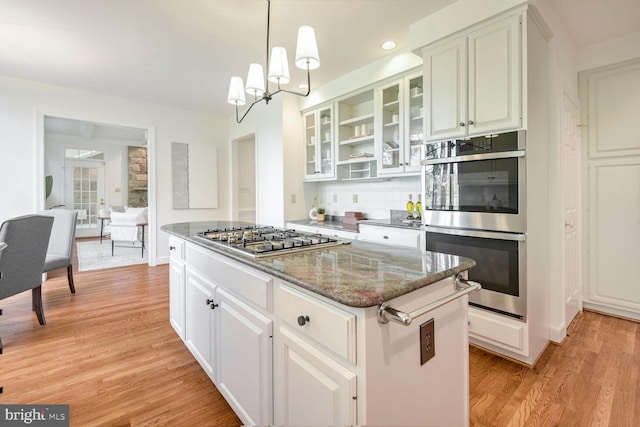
x,y
109,352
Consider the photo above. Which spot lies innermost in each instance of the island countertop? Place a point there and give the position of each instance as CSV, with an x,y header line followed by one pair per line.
x,y
357,274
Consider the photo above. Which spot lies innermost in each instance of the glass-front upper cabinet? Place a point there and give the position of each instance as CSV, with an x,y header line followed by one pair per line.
x,y
318,137
414,122
392,158
402,126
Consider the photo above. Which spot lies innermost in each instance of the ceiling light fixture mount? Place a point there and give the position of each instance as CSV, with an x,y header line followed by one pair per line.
x,y
307,58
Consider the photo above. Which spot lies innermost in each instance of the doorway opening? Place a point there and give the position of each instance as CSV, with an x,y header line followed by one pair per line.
x,y
92,167
244,186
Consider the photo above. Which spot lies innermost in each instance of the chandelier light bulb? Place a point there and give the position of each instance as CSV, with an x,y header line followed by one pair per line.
x,y
255,80
279,66
307,49
236,91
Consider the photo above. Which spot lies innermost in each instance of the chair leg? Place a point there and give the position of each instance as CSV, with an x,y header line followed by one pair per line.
x,y
70,277
36,298
112,248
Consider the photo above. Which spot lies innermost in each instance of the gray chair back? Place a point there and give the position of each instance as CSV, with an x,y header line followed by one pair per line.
x,y
21,263
63,234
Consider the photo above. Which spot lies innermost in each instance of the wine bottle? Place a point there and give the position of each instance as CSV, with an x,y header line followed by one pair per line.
x,y
419,207
410,207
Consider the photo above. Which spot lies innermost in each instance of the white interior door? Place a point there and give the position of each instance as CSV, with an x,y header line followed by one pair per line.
x,y
85,193
611,99
571,137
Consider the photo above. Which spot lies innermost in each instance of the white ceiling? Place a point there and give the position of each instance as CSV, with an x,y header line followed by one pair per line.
x,y
183,52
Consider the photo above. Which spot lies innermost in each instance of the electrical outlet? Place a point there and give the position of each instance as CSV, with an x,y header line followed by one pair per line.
x,y
293,199
355,198
427,341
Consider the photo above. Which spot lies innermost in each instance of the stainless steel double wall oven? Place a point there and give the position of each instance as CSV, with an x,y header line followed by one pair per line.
x,y
474,193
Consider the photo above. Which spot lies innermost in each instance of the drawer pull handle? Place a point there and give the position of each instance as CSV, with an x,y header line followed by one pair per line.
x,y
212,304
463,287
172,248
302,320
385,237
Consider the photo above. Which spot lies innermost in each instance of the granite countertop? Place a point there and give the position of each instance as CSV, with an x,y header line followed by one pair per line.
x,y
358,274
331,225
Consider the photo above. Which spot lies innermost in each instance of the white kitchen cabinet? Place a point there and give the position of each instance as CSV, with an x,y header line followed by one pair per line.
x,y
501,332
200,331
313,383
390,235
315,389
401,126
319,147
288,356
244,359
473,84
229,331
356,157
177,272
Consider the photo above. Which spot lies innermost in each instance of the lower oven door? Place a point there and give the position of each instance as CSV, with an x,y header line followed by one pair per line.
x,y
499,266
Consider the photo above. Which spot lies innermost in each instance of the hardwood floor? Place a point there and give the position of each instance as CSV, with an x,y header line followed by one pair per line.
x,y
109,352
592,379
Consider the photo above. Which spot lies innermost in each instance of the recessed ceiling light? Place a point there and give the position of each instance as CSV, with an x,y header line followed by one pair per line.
x,y
388,45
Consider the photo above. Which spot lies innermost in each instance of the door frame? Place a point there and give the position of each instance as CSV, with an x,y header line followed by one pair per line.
x,y
151,164
236,170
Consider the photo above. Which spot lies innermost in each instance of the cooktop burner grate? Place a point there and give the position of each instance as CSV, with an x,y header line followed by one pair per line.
x,y
261,241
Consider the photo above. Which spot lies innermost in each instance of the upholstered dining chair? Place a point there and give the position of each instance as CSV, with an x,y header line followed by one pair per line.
x,y
22,261
63,233
3,245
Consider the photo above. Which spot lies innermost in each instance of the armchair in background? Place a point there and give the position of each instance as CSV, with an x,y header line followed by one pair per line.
x,y
22,261
60,251
125,227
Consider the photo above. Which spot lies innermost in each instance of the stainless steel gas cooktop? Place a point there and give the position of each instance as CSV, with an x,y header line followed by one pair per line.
x,y
261,241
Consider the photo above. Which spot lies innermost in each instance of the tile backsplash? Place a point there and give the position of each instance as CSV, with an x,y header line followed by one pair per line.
x,y
375,199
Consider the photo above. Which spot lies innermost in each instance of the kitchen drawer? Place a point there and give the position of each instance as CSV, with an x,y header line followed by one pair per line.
x,y
176,247
498,330
244,282
329,326
390,236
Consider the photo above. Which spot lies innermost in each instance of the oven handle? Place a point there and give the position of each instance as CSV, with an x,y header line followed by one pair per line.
x,y
519,237
463,287
474,157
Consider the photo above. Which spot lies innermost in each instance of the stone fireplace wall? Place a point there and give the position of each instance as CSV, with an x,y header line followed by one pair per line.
x,y
137,177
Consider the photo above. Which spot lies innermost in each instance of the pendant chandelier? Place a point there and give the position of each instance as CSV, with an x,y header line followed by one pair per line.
x,y
307,58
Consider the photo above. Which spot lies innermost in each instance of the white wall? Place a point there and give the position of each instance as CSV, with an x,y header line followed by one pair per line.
x,y
23,100
375,199
277,128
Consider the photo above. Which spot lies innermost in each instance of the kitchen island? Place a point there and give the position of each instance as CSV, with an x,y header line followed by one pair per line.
x,y
297,338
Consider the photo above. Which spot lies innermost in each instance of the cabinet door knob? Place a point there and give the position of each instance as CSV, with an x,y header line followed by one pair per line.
x,y
172,248
461,124
212,304
471,122
302,320
385,237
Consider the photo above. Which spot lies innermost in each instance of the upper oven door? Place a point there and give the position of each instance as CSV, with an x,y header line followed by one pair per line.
x,y
480,191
